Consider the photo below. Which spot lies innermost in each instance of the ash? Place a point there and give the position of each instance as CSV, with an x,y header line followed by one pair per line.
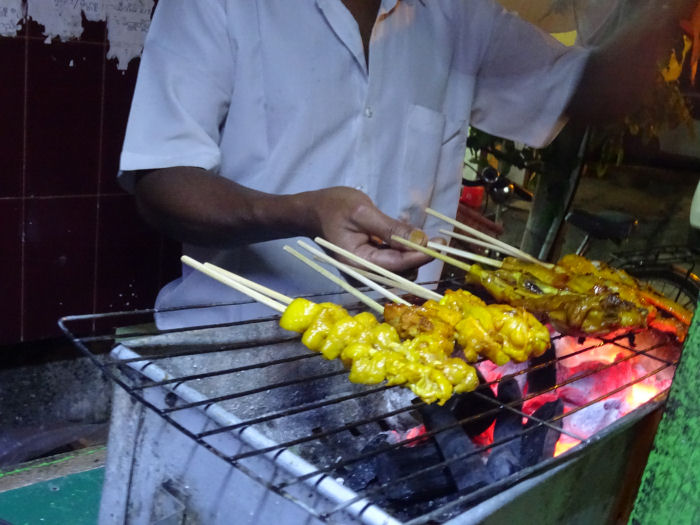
x,y
293,391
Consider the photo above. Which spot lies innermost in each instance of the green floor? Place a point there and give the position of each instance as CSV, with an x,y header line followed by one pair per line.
x,y
68,500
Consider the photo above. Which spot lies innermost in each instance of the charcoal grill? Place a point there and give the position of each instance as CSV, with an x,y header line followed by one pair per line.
x,y
239,423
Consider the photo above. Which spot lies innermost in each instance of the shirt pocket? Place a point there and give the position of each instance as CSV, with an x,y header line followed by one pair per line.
x,y
429,136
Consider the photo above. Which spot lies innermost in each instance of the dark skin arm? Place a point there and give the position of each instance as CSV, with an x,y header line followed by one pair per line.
x,y
199,207
621,72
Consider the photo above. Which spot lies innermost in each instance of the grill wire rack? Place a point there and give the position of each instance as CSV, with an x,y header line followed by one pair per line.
x,y
292,402
657,255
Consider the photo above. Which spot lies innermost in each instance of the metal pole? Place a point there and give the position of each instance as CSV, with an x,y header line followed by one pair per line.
x,y
556,188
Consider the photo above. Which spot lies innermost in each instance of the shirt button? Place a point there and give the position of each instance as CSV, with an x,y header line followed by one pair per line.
x,y
368,112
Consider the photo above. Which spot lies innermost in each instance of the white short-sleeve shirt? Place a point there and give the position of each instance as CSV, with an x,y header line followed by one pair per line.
x,y
276,95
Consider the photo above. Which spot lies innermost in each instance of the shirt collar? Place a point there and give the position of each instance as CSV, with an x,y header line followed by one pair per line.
x,y
388,5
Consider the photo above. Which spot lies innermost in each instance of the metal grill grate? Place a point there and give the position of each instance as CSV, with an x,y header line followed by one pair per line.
x,y
683,256
262,386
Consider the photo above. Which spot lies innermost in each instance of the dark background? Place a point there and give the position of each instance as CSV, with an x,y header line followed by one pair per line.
x,y
71,241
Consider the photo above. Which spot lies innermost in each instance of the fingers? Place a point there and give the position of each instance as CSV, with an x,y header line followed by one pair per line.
x,y
384,227
390,254
405,262
350,219
397,261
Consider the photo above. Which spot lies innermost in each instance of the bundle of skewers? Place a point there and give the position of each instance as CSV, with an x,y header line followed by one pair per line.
x,y
430,347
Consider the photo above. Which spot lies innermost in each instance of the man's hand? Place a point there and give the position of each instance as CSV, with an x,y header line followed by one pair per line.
x,y
199,207
348,218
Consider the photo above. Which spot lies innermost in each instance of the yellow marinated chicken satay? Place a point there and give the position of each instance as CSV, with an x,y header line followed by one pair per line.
x,y
355,351
432,386
368,364
475,327
361,328
523,336
459,300
431,382
518,334
380,336
384,335
299,315
411,321
347,330
427,349
374,352
367,320
475,340
451,316
339,335
461,375
317,332
400,371
369,369
538,334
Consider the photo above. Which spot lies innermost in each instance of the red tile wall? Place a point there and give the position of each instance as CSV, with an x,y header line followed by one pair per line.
x,y
71,241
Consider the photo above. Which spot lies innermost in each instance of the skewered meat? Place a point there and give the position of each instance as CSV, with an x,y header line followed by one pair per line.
x,y
514,332
569,312
498,332
577,264
374,352
422,361
577,274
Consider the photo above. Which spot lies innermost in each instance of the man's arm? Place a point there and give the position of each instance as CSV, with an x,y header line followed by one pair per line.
x,y
199,207
623,70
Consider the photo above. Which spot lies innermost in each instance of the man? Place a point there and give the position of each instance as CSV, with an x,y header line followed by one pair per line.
x,y
257,122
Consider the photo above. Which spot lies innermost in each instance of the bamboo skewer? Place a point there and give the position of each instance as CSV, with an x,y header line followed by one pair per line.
x,y
380,279
478,242
255,290
390,282
485,237
407,285
228,281
251,284
513,252
371,303
442,257
353,273
466,255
